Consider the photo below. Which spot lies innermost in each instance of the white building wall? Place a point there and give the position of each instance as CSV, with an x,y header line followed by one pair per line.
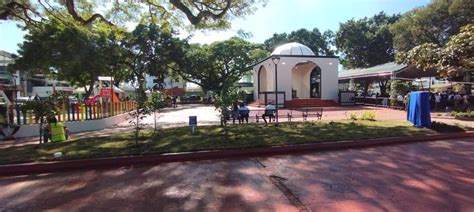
x,y
329,77
45,91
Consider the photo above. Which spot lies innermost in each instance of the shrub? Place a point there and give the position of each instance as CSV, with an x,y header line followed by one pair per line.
x,y
368,115
353,116
469,114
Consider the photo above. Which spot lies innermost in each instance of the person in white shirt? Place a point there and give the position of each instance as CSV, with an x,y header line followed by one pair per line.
x,y
269,111
400,100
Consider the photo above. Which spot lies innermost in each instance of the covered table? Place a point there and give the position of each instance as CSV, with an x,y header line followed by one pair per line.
x,y
418,111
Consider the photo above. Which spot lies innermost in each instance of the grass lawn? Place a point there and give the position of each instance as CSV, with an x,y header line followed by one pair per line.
x,y
212,137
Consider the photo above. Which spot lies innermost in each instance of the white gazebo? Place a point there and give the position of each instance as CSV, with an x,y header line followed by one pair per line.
x,y
303,79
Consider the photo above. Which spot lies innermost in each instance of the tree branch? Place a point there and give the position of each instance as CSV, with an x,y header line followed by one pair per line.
x,y
72,11
195,19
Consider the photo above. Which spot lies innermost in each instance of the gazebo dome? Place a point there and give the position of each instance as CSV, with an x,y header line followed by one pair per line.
x,y
293,49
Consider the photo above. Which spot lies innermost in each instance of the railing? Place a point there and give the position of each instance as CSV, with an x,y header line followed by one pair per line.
x,y
78,112
269,96
372,101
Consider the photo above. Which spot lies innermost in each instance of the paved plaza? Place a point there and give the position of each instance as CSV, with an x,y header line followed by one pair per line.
x,y
427,176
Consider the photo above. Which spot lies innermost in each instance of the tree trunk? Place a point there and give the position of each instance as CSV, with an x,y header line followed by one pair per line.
x,y
383,87
366,85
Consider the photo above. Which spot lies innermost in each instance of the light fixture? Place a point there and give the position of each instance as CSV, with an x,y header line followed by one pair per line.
x,y
275,59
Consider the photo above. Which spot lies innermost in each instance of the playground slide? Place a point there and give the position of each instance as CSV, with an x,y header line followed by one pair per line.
x,y
91,100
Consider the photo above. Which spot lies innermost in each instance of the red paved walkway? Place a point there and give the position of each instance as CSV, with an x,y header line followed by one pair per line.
x,y
430,176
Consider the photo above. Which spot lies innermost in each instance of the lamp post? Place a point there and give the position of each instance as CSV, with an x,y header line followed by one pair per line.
x,y
14,91
276,60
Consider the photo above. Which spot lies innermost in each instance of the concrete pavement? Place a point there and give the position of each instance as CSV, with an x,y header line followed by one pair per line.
x,y
427,176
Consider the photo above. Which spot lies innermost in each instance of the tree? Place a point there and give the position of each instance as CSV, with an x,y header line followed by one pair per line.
x,y
433,23
458,54
217,66
454,60
201,14
366,42
150,50
70,52
275,41
319,43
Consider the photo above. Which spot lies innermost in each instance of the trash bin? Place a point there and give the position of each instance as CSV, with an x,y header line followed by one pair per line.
x,y
418,111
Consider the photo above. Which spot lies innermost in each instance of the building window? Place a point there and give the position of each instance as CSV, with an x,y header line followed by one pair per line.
x,y
315,83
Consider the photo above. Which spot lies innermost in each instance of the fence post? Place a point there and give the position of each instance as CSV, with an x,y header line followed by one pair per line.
x,y
73,106
17,110
24,117
83,112
112,107
68,110
30,117
93,110
78,111
99,110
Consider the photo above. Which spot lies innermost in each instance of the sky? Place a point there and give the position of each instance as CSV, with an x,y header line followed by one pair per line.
x,y
278,16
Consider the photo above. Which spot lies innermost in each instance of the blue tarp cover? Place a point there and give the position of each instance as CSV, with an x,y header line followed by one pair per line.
x,y
418,111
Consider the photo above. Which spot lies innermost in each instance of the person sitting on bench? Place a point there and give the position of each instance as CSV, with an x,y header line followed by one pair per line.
x,y
243,113
269,112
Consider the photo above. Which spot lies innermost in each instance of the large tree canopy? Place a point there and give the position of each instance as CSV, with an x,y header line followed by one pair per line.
x,y
150,50
217,66
202,14
319,43
433,23
451,60
366,42
70,53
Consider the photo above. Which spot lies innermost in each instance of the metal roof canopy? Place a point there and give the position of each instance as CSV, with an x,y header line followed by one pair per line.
x,y
385,71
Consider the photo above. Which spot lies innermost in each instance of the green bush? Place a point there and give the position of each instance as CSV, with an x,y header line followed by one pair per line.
x,y
353,116
368,115
469,114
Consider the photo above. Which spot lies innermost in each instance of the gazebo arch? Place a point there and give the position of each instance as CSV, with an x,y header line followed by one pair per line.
x,y
306,80
262,79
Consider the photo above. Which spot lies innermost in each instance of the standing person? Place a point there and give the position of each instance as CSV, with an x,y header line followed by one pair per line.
x,y
406,100
235,113
457,101
243,113
466,104
269,112
437,101
174,101
400,100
